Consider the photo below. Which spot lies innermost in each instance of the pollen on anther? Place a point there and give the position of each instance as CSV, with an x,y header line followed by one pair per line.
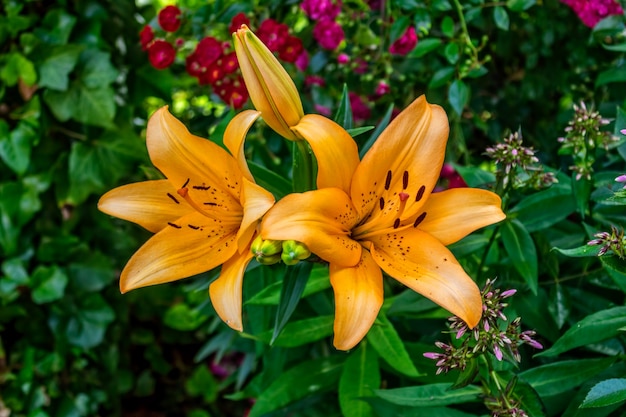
x,y
185,184
173,198
381,202
405,180
396,223
419,219
420,193
388,180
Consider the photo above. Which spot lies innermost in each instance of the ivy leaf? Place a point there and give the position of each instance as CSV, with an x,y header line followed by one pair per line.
x,y
57,64
458,95
48,284
15,147
501,17
95,69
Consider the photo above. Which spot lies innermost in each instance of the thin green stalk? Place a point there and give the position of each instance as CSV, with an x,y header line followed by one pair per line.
x,y
303,167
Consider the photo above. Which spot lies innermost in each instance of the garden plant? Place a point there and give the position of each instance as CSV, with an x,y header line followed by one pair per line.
x,y
312,208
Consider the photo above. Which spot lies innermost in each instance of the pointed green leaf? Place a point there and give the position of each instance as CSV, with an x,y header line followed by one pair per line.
x,y
48,284
616,268
424,46
344,113
432,395
522,252
379,129
300,332
545,208
458,96
15,147
359,379
605,393
594,328
313,376
294,283
271,181
580,252
501,17
270,295
58,63
385,339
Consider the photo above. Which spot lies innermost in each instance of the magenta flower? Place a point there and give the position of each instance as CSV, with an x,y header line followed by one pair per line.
x,y
273,34
169,18
328,33
382,88
302,62
238,20
360,111
161,54
343,59
321,9
590,12
291,49
405,43
208,51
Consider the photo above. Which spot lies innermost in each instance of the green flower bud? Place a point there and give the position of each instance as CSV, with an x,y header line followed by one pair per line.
x,y
294,251
262,247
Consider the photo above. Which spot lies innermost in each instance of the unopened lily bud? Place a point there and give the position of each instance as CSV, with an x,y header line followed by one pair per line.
x,y
268,247
293,252
269,259
271,89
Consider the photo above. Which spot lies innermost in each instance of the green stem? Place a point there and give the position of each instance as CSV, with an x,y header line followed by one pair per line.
x,y
466,36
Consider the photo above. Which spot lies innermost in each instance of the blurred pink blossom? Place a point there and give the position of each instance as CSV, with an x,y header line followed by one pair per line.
x,y
328,33
590,12
323,110
382,88
343,58
302,62
360,111
321,9
405,43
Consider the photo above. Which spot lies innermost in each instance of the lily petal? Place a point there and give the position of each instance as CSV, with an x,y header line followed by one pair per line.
x,y
226,291
187,247
406,158
454,214
336,152
423,264
358,299
150,204
235,135
320,219
271,89
188,160
256,201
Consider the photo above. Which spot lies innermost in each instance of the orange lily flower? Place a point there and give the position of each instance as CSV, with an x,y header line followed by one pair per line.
x,y
272,91
389,220
205,213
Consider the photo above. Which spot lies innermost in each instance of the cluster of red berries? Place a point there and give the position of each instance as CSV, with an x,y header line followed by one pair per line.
x,y
214,62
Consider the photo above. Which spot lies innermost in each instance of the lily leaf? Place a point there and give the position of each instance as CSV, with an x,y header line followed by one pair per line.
x,y
344,112
359,378
385,339
293,286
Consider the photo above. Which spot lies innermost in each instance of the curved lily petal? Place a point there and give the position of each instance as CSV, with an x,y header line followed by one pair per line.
x,y
188,160
271,89
358,298
448,224
190,246
256,201
150,204
226,291
336,152
423,264
320,219
235,135
406,158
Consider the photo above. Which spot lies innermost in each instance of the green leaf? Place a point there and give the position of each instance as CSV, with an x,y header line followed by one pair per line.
x,y
95,106
386,409
559,377
294,282
520,5
57,64
501,17
15,147
594,328
605,393
582,191
431,395
581,251
385,339
270,180
359,130
93,273
270,295
451,52
359,378
202,383
615,74
447,26
545,208
425,46
377,131
313,376
95,69
62,104
344,113
469,245
398,27
522,252
48,284
441,77
56,27
458,96
474,176
301,332
184,318
16,67
87,326
616,269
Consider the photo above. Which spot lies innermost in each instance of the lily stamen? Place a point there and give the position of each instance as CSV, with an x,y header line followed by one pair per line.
x,y
223,216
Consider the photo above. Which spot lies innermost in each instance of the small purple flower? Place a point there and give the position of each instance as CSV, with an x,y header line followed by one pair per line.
x,y
321,9
382,88
622,178
328,33
343,58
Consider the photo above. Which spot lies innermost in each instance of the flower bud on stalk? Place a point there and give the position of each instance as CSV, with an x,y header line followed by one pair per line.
x,y
272,91
294,252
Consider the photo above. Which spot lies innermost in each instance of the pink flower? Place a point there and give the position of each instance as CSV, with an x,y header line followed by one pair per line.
x,y
360,111
169,18
208,51
161,54
236,22
273,34
343,58
314,80
590,12
405,43
321,9
328,33
323,110
302,62
361,66
382,88
229,63
192,65
291,49
145,37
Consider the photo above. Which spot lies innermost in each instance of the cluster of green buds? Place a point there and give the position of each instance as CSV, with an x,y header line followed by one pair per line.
x,y
269,252
517,166
583,138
